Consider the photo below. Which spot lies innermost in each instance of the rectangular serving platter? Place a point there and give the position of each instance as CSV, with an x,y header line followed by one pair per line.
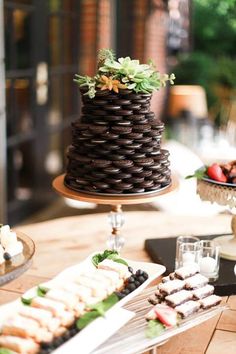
x,y
131,338
100,324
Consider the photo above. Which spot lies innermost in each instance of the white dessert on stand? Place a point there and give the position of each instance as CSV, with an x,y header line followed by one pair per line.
x,y
9,245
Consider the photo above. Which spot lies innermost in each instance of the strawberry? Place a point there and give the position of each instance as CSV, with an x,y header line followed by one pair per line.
x,y
215,172
166,315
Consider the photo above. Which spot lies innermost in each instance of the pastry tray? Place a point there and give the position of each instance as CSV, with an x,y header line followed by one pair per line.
x,y
131,338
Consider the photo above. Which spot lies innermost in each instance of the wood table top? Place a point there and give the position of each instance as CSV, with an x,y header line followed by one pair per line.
x,y
66,241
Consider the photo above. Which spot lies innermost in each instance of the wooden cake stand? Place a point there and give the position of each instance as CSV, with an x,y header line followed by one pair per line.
x,y
222,194
116,218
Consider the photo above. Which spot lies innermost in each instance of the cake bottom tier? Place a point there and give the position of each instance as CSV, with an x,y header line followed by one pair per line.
x,y
116,177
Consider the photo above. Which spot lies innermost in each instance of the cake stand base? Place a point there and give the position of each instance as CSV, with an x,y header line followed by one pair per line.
x,y
228,243
223,195
227,247
115,240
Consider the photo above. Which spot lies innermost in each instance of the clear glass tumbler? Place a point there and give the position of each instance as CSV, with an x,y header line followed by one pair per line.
x,y
180,240
209,260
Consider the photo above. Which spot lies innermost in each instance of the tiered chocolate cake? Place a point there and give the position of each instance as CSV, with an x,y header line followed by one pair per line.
x,y
116,144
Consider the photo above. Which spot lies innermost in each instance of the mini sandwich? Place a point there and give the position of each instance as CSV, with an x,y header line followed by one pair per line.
x,y
104,280
113,277
81,291
68,299
43,317
27,328
56,308
19,345
120,268
98,289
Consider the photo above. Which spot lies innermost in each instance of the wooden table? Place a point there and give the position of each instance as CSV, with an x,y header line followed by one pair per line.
x,y
66,241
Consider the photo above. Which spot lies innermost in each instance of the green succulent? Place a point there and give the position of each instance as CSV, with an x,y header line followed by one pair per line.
x,y
88,82
138,77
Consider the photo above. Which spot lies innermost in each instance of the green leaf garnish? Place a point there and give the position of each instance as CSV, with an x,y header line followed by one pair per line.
x,y
5,351
199,174
26,301
108,254
105,305
116,258
97,310
87,318
99,257
42,290
154,329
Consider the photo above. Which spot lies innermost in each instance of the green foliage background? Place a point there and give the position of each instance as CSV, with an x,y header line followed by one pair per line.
x,y
212,62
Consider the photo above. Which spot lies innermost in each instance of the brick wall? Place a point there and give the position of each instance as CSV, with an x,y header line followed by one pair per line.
x,y
155,48
141,33
150,35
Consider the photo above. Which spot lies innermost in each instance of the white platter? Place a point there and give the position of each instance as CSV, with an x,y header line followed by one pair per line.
x,y
153,270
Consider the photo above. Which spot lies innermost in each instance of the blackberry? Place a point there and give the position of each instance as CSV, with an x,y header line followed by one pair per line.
x,y
46,346
137,283
126,291
120,295
66,336
141,279
145,275
131,279
139,272
131,287
58,341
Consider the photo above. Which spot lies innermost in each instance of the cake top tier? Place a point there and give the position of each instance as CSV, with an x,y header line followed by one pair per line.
x,y
123,73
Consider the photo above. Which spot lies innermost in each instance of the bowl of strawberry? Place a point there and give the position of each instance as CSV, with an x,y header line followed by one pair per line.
x,y
224,173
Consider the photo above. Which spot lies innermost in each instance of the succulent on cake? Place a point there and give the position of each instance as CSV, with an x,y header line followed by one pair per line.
x,y
123,73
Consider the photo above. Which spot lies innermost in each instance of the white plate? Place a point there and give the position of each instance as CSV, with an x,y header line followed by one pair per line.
x,y
153,270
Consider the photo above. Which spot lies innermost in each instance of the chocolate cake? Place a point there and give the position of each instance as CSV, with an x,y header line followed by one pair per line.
x,y
116,143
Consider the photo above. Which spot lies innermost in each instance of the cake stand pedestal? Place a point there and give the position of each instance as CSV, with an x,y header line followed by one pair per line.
x,y
222,195
116,217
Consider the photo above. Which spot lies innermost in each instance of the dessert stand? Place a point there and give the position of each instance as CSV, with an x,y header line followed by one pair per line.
x,y
116,217
19,264
222,194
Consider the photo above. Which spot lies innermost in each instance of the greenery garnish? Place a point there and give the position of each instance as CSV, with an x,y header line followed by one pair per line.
x,y
108,254
26,301
5,351
199,174
154,329
97,310
123,73
42,290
